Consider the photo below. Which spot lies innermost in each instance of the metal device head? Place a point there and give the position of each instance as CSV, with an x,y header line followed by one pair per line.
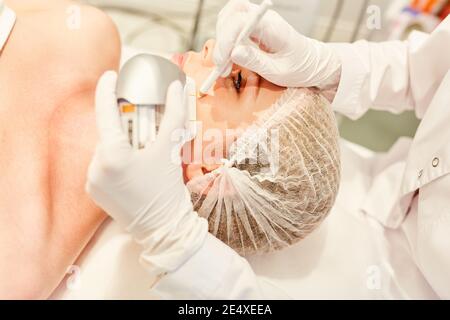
x,y
142,92
145,79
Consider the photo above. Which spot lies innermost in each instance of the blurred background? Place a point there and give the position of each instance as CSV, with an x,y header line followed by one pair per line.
x,y
168,26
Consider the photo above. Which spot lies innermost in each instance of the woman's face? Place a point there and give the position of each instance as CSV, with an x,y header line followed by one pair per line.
x,y
232,105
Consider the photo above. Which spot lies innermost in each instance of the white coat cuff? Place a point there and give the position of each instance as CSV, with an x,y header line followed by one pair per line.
x,y
348,97
201,276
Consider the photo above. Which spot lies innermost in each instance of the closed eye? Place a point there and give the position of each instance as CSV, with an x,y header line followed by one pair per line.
x,y
237,80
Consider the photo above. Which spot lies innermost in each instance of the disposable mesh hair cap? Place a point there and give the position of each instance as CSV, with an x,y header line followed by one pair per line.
x,y
280,180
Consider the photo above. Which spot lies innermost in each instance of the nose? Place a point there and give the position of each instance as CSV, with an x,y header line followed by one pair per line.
x,y
207,52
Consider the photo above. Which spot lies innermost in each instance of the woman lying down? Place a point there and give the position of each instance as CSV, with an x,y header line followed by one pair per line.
x,y
276,186
282,172
255,203
268,201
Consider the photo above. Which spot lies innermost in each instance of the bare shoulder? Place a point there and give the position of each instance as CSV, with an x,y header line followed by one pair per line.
x,y
95,36
50,66
89,39
65,39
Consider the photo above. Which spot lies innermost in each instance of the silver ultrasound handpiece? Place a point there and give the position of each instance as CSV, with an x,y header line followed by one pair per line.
x,y
142,91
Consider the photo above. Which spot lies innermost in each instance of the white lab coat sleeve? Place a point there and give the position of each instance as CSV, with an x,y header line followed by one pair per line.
x,y
215,272
392,76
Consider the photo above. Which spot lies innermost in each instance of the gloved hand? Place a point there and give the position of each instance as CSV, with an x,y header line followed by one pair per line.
x,y
143,190
281,55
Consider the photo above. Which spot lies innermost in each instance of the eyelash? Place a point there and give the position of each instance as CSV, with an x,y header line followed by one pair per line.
x,y
238,81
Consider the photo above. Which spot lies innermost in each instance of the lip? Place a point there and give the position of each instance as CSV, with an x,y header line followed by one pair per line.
x,y
179,59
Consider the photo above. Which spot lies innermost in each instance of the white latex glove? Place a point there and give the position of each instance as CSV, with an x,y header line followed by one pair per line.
x,y
143,190
281,54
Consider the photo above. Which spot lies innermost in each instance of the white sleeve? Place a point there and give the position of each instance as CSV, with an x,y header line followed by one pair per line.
x,y
393,76
215,272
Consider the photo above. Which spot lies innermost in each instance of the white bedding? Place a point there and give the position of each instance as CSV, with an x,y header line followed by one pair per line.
x,y
109,267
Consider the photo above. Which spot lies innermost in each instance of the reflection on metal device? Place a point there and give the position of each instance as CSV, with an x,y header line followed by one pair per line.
x,y
142,92
141,122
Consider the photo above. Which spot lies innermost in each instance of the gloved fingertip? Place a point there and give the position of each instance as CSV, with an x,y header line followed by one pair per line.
x,y
106,109
110,74
250,58
174,94
175,101
109,78
217,56
106,86
175,116
175,86
227,72
241,55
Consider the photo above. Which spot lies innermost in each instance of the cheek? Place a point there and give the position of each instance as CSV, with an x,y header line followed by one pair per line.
x,y
268,95
209,147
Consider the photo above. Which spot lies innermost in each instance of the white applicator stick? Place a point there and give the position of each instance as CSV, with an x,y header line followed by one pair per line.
x,y
246,32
